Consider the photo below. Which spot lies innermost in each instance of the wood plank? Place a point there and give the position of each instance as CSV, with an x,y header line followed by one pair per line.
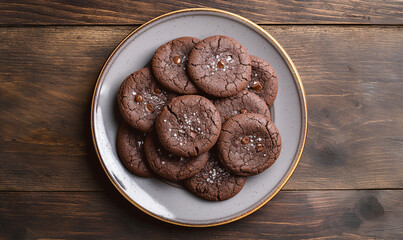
x,y
43,12
352,78
290,215
46,130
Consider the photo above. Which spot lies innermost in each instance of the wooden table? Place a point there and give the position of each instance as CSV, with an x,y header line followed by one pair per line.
x,y
349,182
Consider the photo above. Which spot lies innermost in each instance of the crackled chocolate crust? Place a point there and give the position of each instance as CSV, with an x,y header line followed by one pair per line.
x,y
188,126
169,166
248,144
169,65
220,66
141,98
243,102
264,81
214,182
130,147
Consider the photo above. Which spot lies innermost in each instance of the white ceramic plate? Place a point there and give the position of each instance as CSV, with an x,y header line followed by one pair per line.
x,y
176,205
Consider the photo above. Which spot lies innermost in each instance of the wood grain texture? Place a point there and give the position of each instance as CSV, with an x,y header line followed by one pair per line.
x,y
352,78
290,215
103,12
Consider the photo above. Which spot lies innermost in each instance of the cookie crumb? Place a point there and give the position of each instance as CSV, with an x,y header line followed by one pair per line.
x,y
177,60
220,64
257,87
157,90
138,98
150,107
245,140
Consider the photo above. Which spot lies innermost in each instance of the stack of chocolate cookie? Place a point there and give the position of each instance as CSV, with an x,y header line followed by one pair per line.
x,y
199,115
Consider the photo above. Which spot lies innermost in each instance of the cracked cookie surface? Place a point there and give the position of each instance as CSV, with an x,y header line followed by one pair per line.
x,y
141,98
168,165
169,65
243,102
188,126
219,66
264,81
248,144
130,147
214,182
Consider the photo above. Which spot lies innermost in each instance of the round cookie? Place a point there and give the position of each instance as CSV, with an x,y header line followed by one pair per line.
x,y
188,126
130,146
169,65
220,66
141,98
169,166
243,102
248,144
264,81
214,182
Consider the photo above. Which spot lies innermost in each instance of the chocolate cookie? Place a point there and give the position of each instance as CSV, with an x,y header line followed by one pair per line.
x,y
214,182
188,126
220,66
169,166
264,81
248,144
130,144
243,102
141,98
169,65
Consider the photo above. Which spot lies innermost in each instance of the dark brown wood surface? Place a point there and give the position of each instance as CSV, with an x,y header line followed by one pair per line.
x,y
290,215
104,12
348,184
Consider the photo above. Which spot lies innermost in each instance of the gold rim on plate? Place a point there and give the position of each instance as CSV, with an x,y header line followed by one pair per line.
x,y
302,98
